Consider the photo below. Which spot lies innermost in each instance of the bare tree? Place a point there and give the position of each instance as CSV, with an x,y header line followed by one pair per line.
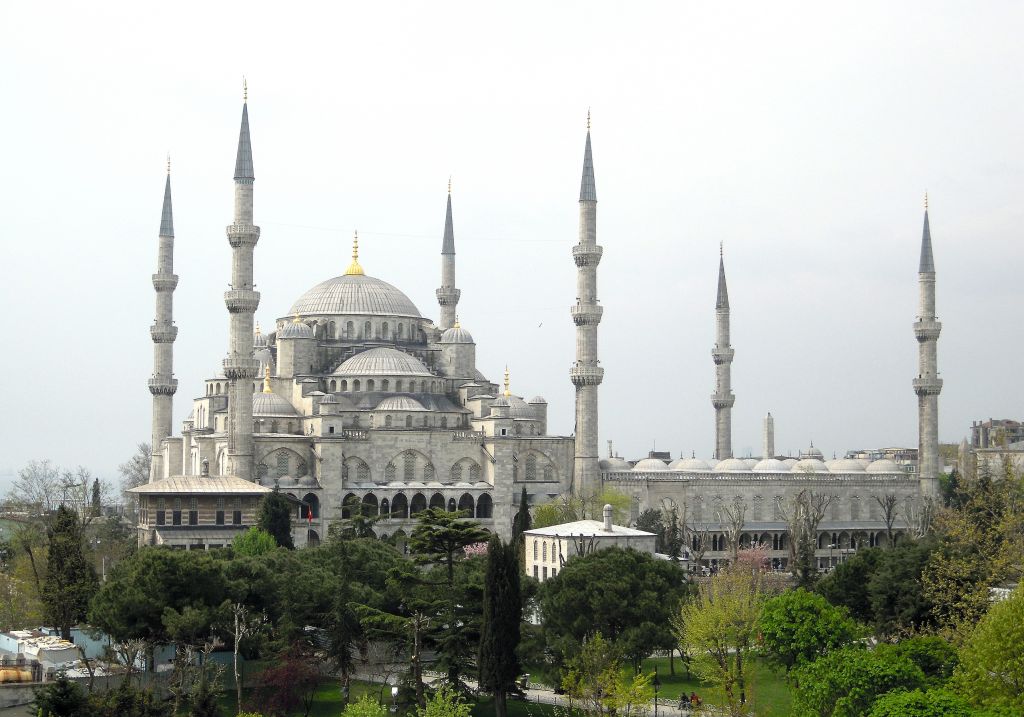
x,y
245,624
37,488
732,518
919,518
135,471
803,514
889,504
699,541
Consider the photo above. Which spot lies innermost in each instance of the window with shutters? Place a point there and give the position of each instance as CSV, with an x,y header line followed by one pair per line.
x,y
193,511
220,511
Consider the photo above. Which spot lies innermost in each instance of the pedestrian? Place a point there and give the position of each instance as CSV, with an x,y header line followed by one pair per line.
x,y
694,700
684,702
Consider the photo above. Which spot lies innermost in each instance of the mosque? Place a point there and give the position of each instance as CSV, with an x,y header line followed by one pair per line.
x,y
354,400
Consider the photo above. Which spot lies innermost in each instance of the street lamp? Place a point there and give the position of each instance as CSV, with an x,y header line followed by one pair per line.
x,y
656,684
830,546
394,698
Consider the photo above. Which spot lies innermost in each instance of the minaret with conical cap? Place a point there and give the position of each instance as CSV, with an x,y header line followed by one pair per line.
x,y
448,295
927,385
163,385
586,375
240,366
722,399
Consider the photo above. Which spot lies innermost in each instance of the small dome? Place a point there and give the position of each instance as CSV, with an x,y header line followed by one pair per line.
x,y
809,465
399,403
883,465
295,330
456,335
691,464
613,464
382,362
751,462
812,452
846,465
259,340
537,399
519,408
732,464
770,465
270,404
650,464
328,398
790,461
501,402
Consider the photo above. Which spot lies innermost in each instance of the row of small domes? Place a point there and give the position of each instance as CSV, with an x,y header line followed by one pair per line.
x,y
755,465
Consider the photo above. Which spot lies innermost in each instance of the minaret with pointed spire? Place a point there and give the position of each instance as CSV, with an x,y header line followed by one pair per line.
x,y
586,374
723,398
240,366
448,295
163,385
927,385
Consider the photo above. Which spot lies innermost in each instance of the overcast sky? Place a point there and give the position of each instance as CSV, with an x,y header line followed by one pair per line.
x,y
802,135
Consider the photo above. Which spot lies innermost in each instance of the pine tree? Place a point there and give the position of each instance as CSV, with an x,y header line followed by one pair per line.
x,y
275,517
97,506
502,614
70,578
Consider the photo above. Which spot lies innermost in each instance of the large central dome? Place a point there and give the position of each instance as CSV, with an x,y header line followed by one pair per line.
x,y
350,294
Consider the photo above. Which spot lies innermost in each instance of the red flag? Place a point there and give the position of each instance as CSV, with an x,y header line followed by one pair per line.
x,y
309,515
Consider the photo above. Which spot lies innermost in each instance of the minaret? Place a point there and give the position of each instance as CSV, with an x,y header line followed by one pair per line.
x,y
163,385
448,295
722,399
241,300
768,445
927,385
586,375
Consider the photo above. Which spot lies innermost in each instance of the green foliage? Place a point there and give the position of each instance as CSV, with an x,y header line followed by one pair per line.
x,y
936,657
625,595
61,698
595,684
95,504
127,701
991,670
502,615
70,578
275,517
253,542
569,507
798,626
846,682
898,600
365,706
650,520
933,703
359,522
446,702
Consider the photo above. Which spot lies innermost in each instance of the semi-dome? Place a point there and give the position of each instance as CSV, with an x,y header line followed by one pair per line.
x,y
355,294
809,465
399,403
295,330
382,361
732,464
613,464
771,465
270,404
846,465
518,408
456,335
650,464
883,465
691,464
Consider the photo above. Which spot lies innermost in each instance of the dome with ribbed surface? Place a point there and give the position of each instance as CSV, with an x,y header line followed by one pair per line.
x,y
846,465
400,403
355,294
809,465
518,408
691,464
613,464
883,465
732,464
295,330
382,362
650,464
456,335
771,465
270,404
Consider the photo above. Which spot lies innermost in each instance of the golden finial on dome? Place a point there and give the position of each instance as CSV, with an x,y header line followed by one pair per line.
x,y
296,319
245,89
588,119
258,328
354,269
168,163
926,200
457,325
449,185
266,380
508,392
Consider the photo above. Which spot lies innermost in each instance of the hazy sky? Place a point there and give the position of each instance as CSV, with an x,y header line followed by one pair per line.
x,y
802,135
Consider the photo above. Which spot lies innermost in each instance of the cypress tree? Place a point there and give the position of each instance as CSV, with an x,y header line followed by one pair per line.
x,y
522,522
275,517
70,578
502,615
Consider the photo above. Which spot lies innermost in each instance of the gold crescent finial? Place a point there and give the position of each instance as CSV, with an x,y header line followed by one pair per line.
x,y
588,119
258,328
449,184
266,380
721,250
245,89
926,200
457,325
354,269
508,392
296,320
168,163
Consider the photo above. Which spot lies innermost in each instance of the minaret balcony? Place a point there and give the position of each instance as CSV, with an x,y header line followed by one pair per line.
x,y
587,255
722,356
163,333
242,301
723,401
927,386
586,314
927,329
448,296
586,375
243,235
241,367
163,386
165,282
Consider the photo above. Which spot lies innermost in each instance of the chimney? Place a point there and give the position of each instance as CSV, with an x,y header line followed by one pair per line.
x,y
607,517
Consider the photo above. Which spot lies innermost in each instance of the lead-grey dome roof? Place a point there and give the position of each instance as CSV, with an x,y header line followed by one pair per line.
x,y
400,403
382,362
270,404
295,330
355,294
456,335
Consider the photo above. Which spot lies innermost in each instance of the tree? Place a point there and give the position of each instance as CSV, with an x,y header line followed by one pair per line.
x,y
135,471
650,521
938,702
289,683
37,487
847,584
70,578
803,514
733,517
521,523
275,517
991,670
96,502
936,657
365,706
446,702
595,685
798,627
720,624
253,542
502,615
846,682
898,603
625,595
62,698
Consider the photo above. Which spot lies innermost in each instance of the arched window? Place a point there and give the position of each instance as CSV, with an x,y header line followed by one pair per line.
x,y
855,508
409,466
428,472
346,505
457,472
356,385
332,330
408,421
419,504
344,385
531,467
484,506
757,511
387,421
282,464
370,504
385,385
369,384
261,471
474,472
389,471
398,385
313,504
423,421
444,421
452,505
437,501
535,548
334,385
466,505
348,330
385,507
433,386
384,329
549,473
544,551
217,389
401,331
423,386
400,506
367,330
